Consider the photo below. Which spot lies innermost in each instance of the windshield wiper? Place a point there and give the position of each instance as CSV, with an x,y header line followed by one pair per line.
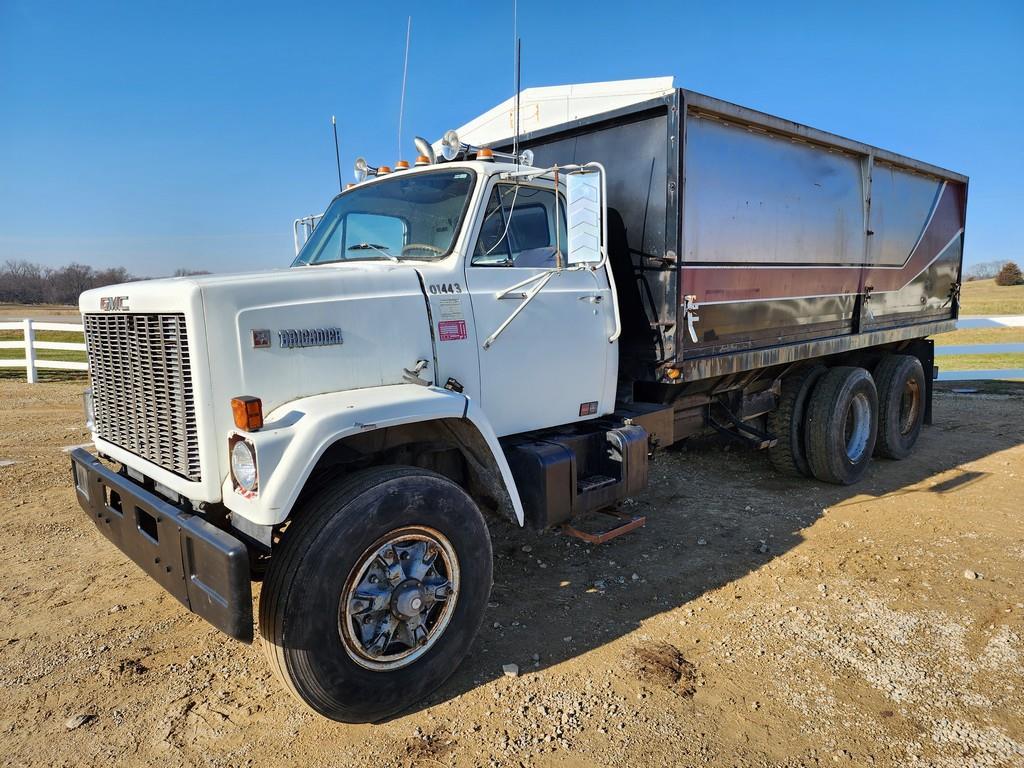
x,y
375,247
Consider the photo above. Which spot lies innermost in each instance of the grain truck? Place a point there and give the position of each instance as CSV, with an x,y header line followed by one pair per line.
x,y
510,327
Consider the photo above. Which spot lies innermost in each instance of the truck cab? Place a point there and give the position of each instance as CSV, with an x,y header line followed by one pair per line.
x,y
479,237
455,322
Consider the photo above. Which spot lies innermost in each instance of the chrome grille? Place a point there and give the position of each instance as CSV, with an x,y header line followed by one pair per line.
x,y
142,387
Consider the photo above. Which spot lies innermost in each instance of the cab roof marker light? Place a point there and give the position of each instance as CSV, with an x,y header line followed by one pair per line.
x,y
422,160
402,165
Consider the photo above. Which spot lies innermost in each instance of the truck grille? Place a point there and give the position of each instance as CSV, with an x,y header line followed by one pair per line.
x,y
142,388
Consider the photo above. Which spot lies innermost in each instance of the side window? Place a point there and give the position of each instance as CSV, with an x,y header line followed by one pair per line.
x,y
371,230
492,244
519,228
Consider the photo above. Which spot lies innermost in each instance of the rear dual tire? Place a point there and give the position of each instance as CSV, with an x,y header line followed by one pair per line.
x,y
842,425
788,423
901,401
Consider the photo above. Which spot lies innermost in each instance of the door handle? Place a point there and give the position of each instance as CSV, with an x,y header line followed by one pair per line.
x,y
519,295
593,298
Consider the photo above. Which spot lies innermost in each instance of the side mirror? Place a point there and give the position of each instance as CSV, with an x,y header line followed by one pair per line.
x,y
583,217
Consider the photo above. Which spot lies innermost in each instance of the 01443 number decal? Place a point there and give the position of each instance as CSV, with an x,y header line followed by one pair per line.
x,y
436,288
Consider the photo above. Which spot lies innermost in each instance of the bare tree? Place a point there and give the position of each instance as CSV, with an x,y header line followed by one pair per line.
x,y
21,282
985,270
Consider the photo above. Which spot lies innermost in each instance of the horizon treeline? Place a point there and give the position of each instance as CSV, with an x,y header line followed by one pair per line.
x,y
23,282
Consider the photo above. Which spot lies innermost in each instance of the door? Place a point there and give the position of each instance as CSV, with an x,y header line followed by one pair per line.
x,y
553,363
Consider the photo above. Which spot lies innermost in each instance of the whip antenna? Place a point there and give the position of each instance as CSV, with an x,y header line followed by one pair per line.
x,y
337,155
519,52
405,72
515,74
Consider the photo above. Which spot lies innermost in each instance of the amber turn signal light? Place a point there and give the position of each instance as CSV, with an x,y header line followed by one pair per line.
x,y
248,412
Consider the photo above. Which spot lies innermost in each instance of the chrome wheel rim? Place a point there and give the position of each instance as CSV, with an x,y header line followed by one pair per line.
x,y
399,598
910,404
858,427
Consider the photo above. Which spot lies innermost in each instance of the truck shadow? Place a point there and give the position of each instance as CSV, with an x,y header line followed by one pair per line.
x,y
715,512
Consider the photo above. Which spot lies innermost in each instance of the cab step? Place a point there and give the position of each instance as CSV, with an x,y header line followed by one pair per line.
x,y
563,475
594,482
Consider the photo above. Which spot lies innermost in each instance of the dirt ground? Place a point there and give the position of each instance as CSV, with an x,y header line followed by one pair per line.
x,y
755,621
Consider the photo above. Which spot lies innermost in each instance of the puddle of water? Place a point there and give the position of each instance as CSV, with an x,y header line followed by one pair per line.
x,y
995,375
1006,321
979,349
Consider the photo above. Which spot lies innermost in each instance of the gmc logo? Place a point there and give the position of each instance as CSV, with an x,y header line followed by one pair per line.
x,y
114,303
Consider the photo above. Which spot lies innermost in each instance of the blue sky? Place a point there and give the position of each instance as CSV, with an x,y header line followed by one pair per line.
x,y
160,135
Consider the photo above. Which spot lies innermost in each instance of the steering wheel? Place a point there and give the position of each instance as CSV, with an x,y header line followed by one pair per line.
x,y
422,247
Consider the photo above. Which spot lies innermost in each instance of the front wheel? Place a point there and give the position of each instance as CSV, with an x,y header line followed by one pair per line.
x,y
376,594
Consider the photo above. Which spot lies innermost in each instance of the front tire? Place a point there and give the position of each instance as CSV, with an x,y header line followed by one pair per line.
x,y
376,593
842,424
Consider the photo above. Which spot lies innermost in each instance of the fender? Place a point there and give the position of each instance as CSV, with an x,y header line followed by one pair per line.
x,y
297,434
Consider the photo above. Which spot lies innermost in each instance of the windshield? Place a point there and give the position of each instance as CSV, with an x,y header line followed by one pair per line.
x,y
414,216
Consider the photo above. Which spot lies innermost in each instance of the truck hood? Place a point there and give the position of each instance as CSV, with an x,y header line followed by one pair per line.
x,y
376,310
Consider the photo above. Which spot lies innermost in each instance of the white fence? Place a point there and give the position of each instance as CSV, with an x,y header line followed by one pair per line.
x,y
30,345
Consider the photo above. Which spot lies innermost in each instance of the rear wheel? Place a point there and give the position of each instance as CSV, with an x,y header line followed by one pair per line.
x,y
901,395
376,594
786,422
842,424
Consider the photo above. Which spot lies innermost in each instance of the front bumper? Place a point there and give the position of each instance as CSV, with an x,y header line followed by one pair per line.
x,y
205,568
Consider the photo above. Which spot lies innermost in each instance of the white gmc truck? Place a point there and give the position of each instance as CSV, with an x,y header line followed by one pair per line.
x,y
511,327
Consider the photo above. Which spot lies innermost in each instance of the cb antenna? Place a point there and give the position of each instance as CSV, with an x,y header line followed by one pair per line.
x,y
337,154
516,49
405,72
519,54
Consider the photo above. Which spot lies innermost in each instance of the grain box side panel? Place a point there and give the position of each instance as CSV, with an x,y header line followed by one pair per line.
x,y
773,236
915,249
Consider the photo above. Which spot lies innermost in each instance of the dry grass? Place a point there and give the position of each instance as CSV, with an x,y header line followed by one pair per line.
x,y
980,362
980,336
984,297
18,311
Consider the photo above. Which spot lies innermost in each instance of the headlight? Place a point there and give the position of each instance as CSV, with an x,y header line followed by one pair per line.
x,y
243,465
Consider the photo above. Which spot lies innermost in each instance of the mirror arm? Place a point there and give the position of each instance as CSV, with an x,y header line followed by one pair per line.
x,y
603,263
541,280
521,284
